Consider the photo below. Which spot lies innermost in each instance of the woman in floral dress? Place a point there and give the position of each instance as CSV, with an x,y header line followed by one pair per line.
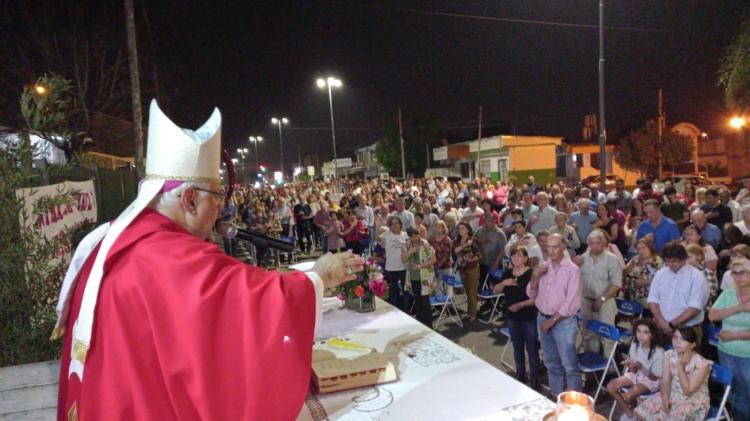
x,y
640,271
683,395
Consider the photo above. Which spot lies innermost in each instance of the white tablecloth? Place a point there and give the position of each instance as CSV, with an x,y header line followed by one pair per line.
x,y
438,380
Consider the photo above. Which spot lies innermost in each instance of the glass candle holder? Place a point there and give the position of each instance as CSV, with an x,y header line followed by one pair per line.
x,y
574,406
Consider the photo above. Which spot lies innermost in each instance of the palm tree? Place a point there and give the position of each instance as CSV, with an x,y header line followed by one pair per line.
x,y
734,71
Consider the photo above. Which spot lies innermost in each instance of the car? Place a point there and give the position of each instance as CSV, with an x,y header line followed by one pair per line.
x,y
609,182
679,181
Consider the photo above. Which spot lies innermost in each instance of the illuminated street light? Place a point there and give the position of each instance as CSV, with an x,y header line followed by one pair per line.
x,y
255,140
40,89
737,122
280,122
331,82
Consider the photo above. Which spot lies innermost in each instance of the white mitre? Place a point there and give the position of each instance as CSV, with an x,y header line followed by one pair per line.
x,y
174,155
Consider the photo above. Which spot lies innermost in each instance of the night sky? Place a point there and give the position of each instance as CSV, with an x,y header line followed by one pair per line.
x,y
255,60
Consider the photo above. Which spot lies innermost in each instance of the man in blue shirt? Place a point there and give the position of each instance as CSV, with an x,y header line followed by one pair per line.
x,y
659,228
711,233
583,222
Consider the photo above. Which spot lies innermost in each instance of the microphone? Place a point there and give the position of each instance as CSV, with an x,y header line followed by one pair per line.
x,y
229,230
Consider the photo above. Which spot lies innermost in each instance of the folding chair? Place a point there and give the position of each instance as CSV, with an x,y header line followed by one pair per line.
x,y
623,390
443,301
487,294
631,309
292,255
713,335
505,331
721,375
593,362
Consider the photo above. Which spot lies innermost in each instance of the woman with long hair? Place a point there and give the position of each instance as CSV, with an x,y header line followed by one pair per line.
x,y
442,245
467,261
521,314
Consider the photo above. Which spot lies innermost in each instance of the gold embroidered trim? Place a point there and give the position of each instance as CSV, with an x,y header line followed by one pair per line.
x,y
58,333
181,177
73,413
80,349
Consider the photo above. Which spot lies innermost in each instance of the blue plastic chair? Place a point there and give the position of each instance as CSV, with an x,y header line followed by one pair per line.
x,y
487,294
723,376
713,335
628,308
443,301
593,362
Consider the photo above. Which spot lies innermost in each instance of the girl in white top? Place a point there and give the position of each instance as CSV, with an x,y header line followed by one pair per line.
x,y
644,367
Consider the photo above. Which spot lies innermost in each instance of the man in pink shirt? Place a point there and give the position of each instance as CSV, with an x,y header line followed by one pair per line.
x,y
556,290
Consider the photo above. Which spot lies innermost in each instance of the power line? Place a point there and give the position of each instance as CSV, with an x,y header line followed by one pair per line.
x,y
499,19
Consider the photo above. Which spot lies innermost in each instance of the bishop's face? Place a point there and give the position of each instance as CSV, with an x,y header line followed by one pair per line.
x,y
202,218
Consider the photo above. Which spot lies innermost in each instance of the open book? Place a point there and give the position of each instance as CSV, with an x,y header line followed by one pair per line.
x,y
342,369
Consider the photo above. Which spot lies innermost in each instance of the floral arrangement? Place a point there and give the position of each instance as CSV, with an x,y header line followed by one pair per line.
x,y
369,282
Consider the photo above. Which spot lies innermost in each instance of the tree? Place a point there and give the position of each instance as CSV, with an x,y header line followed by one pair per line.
x,y
734,71
420,135
640,149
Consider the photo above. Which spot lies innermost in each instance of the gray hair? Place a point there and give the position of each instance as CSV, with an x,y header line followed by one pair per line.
x,y
596,234
170,199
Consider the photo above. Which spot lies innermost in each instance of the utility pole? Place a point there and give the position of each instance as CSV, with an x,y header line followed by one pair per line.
x,y
401,138
479,146
661,133
135,88
603,126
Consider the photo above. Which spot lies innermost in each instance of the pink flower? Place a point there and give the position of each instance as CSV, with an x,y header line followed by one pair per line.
x,y
378,287
341,296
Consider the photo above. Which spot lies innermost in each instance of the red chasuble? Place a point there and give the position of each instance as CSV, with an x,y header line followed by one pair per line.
x,y
184,332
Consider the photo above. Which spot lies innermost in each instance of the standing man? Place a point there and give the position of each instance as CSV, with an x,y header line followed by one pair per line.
x,y
678,293
491,240
657,227
717,213
284,216
583,222
406,217
159,324
528,207
710,233
556,290
623,198
674,209
471,214
601,275
544,218
367,214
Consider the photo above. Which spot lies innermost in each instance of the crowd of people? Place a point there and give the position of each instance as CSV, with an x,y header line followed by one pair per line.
x,y
560,254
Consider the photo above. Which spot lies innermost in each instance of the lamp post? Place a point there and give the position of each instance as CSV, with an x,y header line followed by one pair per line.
x,y
331,82
280,122
255,140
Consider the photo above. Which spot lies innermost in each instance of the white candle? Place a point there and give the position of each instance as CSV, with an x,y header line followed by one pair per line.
x,y
573,413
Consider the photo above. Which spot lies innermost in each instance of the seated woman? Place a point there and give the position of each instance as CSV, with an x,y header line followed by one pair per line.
x,y
521,314
644,365
683,393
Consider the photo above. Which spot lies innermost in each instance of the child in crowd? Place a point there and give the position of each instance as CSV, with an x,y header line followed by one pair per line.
x,y
643,368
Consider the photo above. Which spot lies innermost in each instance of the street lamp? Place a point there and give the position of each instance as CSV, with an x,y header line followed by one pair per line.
x,y
40,89
255,140
280,122
737,122
331,82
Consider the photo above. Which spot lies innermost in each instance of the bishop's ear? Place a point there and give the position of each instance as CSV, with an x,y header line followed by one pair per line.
x,y
188,199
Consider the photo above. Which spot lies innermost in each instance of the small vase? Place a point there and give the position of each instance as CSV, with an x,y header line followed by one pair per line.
x,y
363,304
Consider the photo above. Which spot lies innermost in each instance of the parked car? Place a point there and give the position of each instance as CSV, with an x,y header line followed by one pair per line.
x,y
609,182
678,181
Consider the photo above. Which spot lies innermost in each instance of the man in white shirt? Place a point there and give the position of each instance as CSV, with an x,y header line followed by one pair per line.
x,y
471,214
406,217
678,293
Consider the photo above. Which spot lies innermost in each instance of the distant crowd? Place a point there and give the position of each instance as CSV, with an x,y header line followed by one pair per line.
x,y
560,255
